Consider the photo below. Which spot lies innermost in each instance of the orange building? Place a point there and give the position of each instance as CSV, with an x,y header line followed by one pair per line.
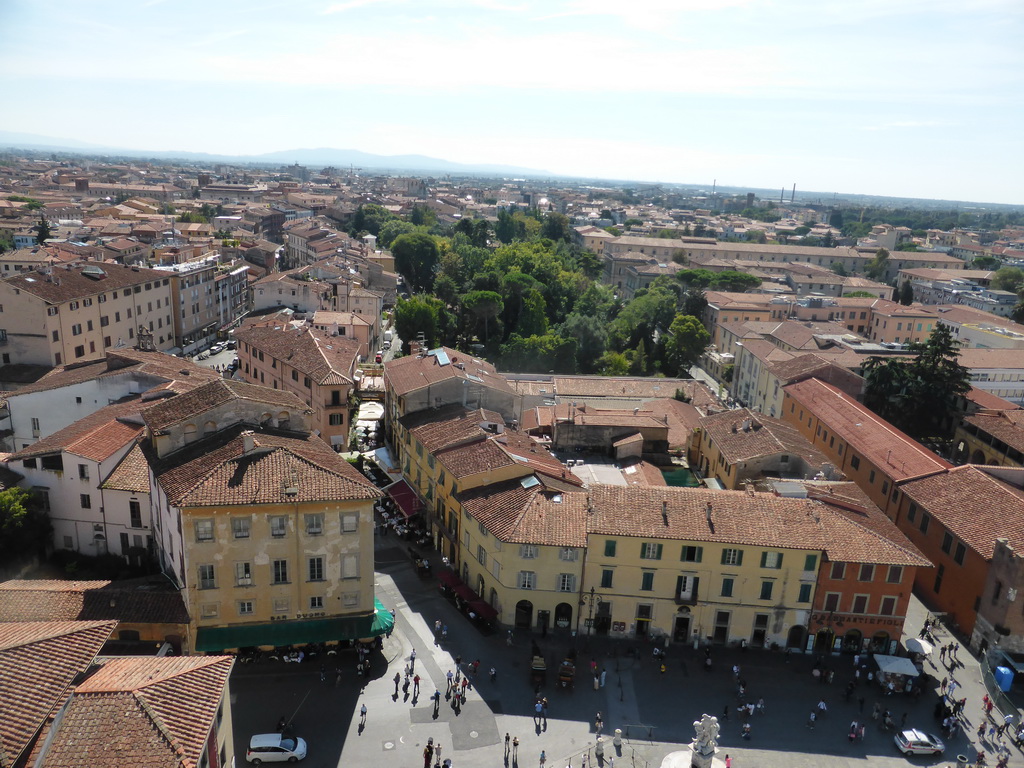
x,y
866,448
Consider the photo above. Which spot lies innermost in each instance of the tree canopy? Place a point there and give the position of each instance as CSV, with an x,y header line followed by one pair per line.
x,y
416,256
24,526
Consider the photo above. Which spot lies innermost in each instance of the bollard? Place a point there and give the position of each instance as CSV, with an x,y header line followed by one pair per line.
x,y
599,747
617,739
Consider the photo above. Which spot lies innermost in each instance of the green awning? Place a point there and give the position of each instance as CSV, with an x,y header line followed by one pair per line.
x,y
296,632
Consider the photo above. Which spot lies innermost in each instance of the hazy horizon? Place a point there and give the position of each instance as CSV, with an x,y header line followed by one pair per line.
x,y
903,98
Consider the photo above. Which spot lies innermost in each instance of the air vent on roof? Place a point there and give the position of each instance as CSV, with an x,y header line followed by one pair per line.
x,y
93,272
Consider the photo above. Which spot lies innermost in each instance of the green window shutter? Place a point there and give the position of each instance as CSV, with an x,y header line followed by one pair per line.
x,y
764,559
700,553
658,554
609,547
739,557
811,563
679,585
725,556
779,561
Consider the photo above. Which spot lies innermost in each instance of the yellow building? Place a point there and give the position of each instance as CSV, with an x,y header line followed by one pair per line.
x,y
991,437
716,566
523,548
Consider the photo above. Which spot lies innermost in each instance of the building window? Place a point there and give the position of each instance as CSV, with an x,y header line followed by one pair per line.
x,y
527,580
766,589
650,551
871,477
207,579
245,608
336,419
947,542
240,527
691,554
895,575
838,571
349,523
855,462
732,557
911,512
925,519
860,603
280,572
135,513
278,526
888,606
528,551
86,500
83,471
243,574
811,563
771,560
727,586
314,524
958,555
805,594
204,530
609,547
481,556
647,581
832,601
350,567
867,572
316,603
316,569
569,554
606,578
566,582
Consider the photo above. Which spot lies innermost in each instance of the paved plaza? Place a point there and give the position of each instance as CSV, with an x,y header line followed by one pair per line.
x,y
655,710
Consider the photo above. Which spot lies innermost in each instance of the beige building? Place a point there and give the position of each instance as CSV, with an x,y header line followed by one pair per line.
x,y
77,313
315,366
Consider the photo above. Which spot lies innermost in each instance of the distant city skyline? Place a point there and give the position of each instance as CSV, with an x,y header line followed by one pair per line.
x,y
902,98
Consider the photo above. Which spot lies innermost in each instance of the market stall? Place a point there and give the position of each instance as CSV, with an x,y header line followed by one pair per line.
x,y
896,674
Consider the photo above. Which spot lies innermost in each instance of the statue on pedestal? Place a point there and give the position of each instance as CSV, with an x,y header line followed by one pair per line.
x,y
705,741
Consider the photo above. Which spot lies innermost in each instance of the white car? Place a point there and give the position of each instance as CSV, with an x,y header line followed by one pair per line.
x,y
915,742
218,347
275,748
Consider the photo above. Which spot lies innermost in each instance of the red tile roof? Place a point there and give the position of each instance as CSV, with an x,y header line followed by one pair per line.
x,y
763,437
38,662
325,359
531,515
973,505
872,437
73,284
411,373
141,711
210,395
131,473
96,436
134,601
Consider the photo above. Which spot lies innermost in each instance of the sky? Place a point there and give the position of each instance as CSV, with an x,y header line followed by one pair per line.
x,y
915,98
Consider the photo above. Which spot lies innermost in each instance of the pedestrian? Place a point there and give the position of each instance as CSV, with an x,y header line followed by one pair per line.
x,y
437,754
323,674
476,667
362,715
450,676
988,707
437,628
943,684
725,712
942,654
856,660
853,731
543,758
506,738
736,672
728,762
437,701
822,707
412,660
428,754
538,711
398,679
494,674
604,674
750,709
811,720
508,638
598,723
593,666
444,632
876,711
981,730
760,706
416,685
663,668
465,684
745,732
515,747
707,664
956,651
860,732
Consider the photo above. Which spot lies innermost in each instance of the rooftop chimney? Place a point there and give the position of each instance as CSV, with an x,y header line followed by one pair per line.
x,y
248,442
664,511
707,513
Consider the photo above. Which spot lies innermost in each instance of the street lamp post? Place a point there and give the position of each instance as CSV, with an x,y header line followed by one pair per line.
x,y
589,599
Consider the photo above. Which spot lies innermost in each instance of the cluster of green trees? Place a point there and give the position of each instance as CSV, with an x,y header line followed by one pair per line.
x,y
920,220
919,394
24,527
533,303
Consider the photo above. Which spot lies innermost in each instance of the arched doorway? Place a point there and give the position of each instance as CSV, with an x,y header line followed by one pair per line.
x,y
977,457
797,637
853,641
880,642
524,614
563,616
823,640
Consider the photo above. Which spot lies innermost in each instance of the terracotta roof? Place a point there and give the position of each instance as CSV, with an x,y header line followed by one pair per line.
x,y
1007,426
96,436
519,515
38,662
325,359
141,711
131,473
738,517
871,436
984,399
411,373
73,284
977,357
765,437
217,471
212,394
445,427
974,505
134,601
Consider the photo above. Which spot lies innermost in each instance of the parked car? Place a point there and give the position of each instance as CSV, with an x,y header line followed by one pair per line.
x,y
379,357
218,347
915,742
232,344
275,748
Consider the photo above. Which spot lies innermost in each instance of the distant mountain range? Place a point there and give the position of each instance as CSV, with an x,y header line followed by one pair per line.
x,y
323,156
